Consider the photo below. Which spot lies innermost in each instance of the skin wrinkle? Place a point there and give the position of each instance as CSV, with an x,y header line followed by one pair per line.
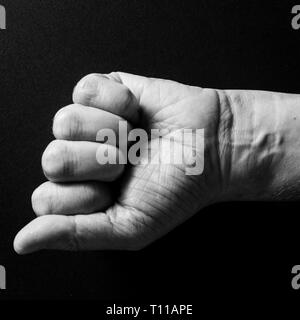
x,y
225,137
116,221
141,220
174,176
242,132
257,145
192,179
159,195
134,217
70,164
216,144
75,126
148,181
113,226
164,211
81,234
241,138
157,209
185,189
66,123
165,106
140,176
74,235
89,205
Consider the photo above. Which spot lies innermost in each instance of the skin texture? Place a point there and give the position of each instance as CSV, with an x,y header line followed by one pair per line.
x,y
264,145
249,153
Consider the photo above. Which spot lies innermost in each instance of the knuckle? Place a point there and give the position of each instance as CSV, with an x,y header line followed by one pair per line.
x,y
56,162
115,75
86,88
67,124
126,98
127,102
42,202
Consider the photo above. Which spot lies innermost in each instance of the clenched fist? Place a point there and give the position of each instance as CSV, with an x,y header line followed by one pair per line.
x,y
246,141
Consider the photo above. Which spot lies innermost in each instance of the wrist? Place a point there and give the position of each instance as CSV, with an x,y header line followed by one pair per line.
x,y
254,143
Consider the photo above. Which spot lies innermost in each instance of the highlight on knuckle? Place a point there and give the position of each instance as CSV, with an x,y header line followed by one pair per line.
x,y
127,97
82,93
42,202
55,161
66,124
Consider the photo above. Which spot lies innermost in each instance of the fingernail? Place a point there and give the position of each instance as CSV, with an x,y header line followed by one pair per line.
x,y
89,83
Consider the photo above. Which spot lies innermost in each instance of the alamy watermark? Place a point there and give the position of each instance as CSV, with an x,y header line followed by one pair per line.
x,y
296,18
2,18
296,278
2,278
183,147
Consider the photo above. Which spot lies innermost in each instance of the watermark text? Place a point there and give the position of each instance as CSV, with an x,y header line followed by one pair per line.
x,y
2,18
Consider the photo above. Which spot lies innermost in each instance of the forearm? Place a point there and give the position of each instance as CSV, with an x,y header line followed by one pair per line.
x,y
262,145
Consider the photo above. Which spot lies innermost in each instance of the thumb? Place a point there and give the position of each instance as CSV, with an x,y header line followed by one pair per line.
x,y
97,231
135,83
109,93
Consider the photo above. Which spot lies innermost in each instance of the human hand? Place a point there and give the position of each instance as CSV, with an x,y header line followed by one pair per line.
x,y
77,209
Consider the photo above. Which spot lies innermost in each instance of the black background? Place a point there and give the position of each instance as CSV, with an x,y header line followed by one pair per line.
x,y
240,252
